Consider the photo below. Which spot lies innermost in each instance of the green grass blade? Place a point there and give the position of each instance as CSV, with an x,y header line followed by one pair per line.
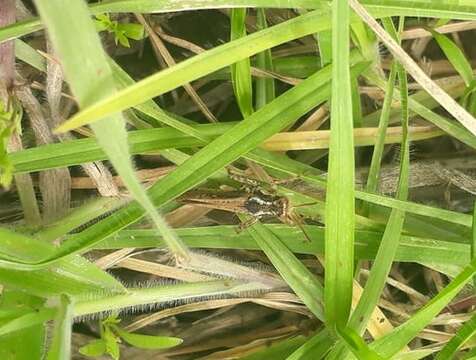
x,y
357,345
265,89
373,176
277,351
293,271
242,138
422,8
455,56
464,333
339,255
92,80
450,127
241,71
393,342
388,246
316,347
410,248
60,347
287,166
473,242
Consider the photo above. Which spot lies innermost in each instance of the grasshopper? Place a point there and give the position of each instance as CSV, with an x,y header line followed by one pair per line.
x,y
253,201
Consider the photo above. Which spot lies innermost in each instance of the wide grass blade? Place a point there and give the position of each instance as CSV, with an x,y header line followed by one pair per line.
x,y
339,254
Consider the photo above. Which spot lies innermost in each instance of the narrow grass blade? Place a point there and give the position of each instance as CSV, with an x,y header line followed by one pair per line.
x,y
450,127
388,246
93,80
287,166
460,114
390,344
455,56
265,90
237,141
473,242
316,347
410,249
373,176
357,345
339,254
464,333
296,275
60,347
241,71
422,8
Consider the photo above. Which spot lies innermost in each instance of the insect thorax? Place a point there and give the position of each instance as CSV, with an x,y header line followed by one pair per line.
x,y
261,205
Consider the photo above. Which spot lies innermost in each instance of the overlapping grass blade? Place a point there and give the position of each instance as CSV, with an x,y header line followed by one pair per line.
x,y
422,8
241,70
71,276
455,56
96,74
339,254
410,248
296,275
60,347
463,334
450,127
265,89
239,140
392,343
317,346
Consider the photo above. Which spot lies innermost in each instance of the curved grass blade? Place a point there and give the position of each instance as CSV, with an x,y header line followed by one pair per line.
x,y
339,254
91,80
